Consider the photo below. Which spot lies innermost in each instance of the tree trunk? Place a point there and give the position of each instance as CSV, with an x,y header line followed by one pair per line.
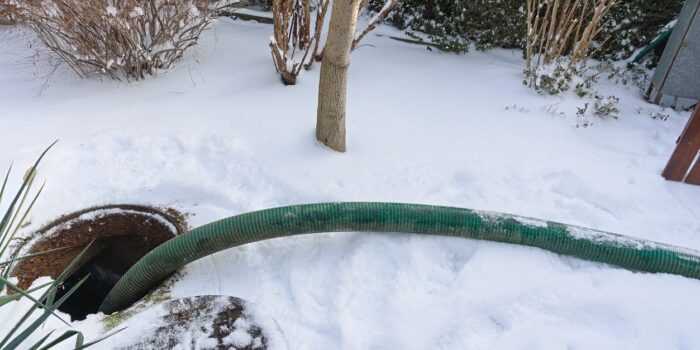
x,y
332,87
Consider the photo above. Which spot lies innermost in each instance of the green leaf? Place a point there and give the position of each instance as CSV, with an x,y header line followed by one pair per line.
x,y
19,323
4,299
25,183
47,312
4,183
67,334
41,341
28,296
66,272
29,256
48,298
99,339
23,218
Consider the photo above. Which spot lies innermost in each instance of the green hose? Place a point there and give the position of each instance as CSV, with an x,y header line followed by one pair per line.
x,y
660,39
626,252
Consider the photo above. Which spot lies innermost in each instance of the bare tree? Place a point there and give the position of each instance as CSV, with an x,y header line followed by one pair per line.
x,y
332,88
375,21
292,33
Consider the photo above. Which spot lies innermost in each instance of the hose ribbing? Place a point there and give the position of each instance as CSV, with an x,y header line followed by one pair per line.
x,y
622,251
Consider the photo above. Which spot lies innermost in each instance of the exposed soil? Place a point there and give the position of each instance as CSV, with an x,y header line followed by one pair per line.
x,y
122,234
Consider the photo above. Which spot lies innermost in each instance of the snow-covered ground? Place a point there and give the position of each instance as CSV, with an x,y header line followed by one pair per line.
x,y
219,135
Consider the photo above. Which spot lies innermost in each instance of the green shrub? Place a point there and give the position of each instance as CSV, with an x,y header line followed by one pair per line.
x,y
634,23
606,107
454,25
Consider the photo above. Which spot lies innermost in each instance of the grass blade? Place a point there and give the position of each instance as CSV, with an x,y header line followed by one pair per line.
x,y
66,335
68,270
23,218
99,339
22,188
4,299
47,312
19,207
4,183
41,341
33,255
35,301
64,274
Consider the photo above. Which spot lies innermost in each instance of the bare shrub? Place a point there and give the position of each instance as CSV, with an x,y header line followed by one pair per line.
x,y
292,33
321,11
8,12
561,27
122,39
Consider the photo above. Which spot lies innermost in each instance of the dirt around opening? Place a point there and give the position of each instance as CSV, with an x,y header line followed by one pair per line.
x,y
122,234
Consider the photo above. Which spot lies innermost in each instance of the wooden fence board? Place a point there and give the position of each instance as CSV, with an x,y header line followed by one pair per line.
x,y
686,151
694,175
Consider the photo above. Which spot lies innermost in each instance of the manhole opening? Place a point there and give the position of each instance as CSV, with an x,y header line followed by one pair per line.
x,y
121,235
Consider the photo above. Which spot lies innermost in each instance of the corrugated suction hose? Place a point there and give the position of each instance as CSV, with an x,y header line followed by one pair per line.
x,y
627,252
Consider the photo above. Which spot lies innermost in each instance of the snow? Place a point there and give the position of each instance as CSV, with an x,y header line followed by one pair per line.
x,y
111,10
219,135
137,12
147,323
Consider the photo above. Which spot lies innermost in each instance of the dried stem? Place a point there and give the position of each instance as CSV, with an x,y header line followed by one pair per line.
x,y
292,32
562,27
126,39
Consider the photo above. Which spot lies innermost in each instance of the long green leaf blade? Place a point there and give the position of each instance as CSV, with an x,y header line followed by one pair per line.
x,y
41,341
66,335
22,219
4,183
10,209
4,299
33,255
47,312
28,296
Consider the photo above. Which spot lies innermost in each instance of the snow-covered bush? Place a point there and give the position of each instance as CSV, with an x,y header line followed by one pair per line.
x,y
550,80
606,107
634,23
634,74
455,24
559,41
120,38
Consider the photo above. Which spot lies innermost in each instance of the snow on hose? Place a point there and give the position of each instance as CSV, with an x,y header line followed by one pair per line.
x,y
622,251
